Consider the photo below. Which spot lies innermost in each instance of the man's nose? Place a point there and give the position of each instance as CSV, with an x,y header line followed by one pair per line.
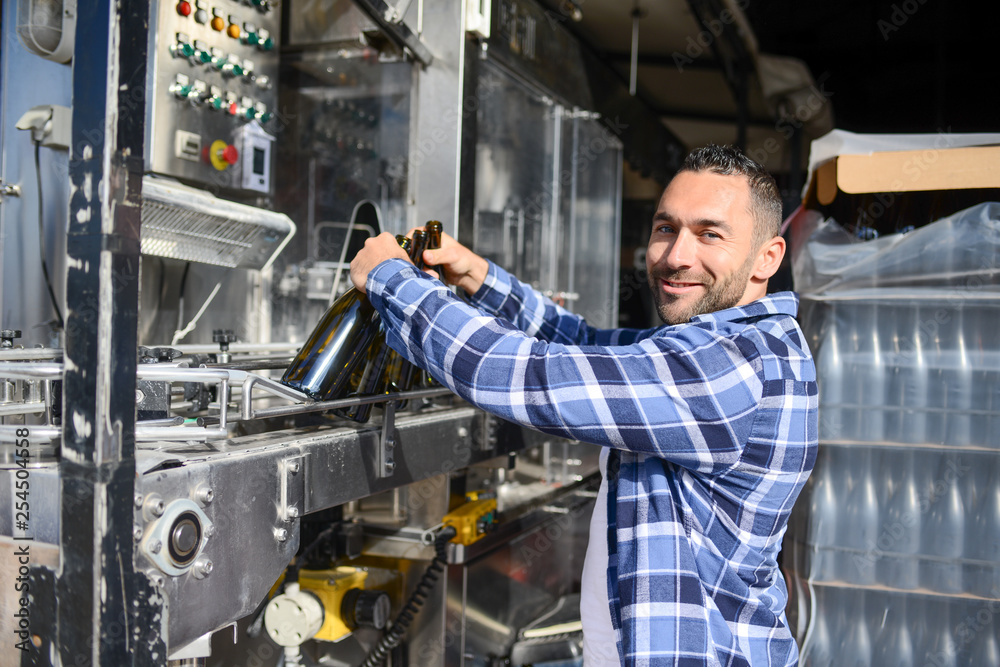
x,y
680,254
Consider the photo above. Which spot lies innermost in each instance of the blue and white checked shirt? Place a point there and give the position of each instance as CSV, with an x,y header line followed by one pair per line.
x,y
713,430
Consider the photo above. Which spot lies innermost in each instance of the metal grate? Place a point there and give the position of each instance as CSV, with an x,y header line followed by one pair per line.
x,y
191,225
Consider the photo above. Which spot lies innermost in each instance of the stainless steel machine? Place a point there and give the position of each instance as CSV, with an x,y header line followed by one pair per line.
x,y
179,204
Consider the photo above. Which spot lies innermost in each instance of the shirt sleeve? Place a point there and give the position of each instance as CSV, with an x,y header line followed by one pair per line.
x,y
688,395
538,316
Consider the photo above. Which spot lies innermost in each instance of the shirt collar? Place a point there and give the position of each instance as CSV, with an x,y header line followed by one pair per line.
x,y
779,303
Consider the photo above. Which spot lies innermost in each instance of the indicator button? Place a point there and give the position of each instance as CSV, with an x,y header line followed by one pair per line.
x,y
184,8
267,44
218,24
266,116
233,109
233,31
201,16
204,57
250,113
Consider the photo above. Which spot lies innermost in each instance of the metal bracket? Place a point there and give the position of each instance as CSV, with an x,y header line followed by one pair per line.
x,y
389,20
292,488
385,464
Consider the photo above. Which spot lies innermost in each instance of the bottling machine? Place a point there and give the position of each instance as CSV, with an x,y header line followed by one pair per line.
x,y
180,202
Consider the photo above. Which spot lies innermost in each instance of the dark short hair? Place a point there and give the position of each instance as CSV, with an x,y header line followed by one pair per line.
x,y
765,201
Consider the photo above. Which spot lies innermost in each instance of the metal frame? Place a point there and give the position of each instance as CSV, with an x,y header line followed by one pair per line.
x,y
96,585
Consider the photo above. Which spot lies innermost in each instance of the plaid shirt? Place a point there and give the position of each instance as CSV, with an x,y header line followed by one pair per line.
x,y
713,430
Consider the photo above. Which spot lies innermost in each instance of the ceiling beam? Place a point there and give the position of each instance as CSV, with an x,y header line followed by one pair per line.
x,y
709,117
659,60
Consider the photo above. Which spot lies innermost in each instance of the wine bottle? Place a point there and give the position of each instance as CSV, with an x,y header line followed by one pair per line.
x,y
418,247
434,230
324,365
894,645
372,379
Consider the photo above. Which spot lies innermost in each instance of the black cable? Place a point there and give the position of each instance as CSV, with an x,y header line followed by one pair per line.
x,y
41,239
180,297
392,638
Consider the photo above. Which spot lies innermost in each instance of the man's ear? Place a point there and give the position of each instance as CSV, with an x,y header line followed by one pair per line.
x,y
769,258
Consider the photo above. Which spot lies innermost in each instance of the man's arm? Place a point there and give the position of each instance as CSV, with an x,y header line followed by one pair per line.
x,y
688,396
495,291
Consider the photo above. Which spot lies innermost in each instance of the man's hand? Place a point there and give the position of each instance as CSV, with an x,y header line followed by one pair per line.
x,y
377,249
462,267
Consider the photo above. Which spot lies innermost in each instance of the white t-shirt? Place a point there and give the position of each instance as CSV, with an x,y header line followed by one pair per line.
x,y
600,648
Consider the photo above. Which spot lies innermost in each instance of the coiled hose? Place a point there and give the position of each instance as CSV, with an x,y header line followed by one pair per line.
x,y
392,638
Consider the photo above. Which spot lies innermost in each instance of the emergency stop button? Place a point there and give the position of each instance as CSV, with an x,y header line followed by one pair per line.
x,y
221,155
184,8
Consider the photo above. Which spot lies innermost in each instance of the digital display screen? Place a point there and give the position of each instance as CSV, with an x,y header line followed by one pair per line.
x,y
258,160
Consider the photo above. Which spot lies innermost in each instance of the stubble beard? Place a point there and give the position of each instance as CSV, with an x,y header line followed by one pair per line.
x,y
718,296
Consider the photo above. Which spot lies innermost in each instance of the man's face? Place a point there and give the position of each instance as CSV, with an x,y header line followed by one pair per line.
x,y
700,255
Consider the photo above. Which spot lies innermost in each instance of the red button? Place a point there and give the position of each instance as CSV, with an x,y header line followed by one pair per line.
x,y
233,109
184,8
230,154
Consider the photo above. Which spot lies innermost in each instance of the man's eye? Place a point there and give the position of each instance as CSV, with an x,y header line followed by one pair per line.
x,y
711,235
664,229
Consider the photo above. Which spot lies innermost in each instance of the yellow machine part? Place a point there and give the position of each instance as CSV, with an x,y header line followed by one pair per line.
x,y
330,586
472,520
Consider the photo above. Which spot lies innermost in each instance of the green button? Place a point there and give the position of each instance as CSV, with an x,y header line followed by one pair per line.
x,y
266,116
187,50
251,114
218,63
237,70
217,102
252,39
268,44
183,91
204,56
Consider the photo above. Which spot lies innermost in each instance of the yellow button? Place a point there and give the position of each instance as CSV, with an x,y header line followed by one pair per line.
x,y
233,31
218,24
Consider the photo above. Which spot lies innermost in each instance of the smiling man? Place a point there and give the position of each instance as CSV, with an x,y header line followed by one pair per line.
x,y
709,422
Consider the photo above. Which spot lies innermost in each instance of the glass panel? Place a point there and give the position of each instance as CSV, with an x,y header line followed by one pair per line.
x,y
514,158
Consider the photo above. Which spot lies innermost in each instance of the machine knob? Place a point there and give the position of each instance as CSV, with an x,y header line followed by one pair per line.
x,y
224,336
365,609
8,336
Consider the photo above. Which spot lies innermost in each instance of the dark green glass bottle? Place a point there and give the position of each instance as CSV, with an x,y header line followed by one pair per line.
x,y
418,247
323,367
434,230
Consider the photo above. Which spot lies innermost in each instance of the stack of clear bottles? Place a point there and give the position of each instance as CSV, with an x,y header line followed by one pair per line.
x,y
897,534
346,355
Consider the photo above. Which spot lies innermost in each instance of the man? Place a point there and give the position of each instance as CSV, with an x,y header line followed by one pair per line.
x,y
709,422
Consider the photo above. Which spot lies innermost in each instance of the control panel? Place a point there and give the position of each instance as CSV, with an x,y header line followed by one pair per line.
x,y
212,92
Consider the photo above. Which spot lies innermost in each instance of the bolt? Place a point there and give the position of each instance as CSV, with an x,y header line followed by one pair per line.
x,y
139,396
137,533
463,432
293,511
155,546
280,534
293,467
153,506
204,495
209,530
138,500
389,467
201,568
